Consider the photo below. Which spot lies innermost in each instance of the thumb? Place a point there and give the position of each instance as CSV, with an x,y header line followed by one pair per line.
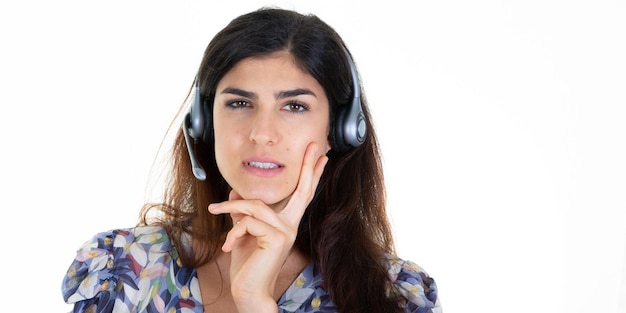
x,y
233,195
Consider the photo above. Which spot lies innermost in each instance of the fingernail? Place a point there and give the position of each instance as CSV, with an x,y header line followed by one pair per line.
x,y
213,206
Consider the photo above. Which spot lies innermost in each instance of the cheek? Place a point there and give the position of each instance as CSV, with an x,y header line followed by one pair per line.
x,y
226,133
323,140
299,143
225,143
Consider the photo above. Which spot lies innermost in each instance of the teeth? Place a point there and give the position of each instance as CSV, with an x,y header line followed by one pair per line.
x,y
263,165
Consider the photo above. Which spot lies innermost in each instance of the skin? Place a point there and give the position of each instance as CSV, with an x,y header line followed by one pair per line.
x,y
271,124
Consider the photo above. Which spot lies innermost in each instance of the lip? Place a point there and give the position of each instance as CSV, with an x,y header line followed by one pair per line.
x,y
263,167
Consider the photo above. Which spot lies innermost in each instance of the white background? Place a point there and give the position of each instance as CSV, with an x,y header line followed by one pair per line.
x,y
502,127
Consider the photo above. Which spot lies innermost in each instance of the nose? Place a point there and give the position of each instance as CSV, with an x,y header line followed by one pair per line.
x,y
264,129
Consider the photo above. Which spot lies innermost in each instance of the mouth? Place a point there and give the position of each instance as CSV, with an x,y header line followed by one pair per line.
x,y
263,165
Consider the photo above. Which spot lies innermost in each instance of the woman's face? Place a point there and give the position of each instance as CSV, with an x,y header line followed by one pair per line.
x,y
266,112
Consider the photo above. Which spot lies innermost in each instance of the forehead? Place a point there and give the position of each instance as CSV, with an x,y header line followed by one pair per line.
x,y
277,70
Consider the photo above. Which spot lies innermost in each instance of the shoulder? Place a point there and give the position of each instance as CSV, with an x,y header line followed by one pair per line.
x,y
412,284
118,265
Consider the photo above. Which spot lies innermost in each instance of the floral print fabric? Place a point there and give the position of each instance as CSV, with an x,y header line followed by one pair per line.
x,y
138,270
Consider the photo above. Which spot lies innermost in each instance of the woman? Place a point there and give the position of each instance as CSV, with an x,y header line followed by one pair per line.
x,y
285,210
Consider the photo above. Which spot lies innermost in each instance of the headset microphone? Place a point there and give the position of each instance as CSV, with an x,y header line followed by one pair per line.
x,y
193,125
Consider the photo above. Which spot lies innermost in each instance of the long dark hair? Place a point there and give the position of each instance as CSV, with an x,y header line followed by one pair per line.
x,y
345,227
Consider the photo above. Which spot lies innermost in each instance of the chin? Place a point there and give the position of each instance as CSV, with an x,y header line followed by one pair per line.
x,y
269,198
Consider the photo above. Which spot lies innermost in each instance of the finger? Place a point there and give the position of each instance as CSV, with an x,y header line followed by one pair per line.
x,y
310,174
235,217
239,209
266,235
233,195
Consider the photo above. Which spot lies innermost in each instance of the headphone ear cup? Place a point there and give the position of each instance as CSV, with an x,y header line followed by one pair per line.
x,y
337,133
207,133
350,127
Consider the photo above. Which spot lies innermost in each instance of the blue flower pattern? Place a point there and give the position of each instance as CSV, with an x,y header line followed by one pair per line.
x,y
138,270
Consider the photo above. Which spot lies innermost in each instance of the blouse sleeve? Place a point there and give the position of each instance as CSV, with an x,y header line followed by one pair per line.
x,y
131,270
90,279
417,291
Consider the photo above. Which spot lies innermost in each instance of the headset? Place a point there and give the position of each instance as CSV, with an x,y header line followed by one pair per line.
x,y
348,131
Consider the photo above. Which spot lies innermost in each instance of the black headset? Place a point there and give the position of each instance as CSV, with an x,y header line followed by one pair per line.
x,y
348,132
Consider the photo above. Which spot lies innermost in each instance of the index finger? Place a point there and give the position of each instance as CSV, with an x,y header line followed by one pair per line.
x,y
310,174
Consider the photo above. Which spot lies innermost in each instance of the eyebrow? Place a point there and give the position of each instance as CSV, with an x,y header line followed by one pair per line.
x,y
280,95
239,92
295,92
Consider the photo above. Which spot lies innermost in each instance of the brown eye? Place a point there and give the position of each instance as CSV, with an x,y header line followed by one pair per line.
x,y
238,104
296,107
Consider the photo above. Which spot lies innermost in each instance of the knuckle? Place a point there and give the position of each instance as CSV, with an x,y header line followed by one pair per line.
x,y
244,219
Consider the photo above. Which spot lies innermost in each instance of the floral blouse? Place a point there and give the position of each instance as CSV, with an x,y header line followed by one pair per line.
x,y
139,270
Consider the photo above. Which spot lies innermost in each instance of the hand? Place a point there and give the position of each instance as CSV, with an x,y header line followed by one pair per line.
x,y
261,239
